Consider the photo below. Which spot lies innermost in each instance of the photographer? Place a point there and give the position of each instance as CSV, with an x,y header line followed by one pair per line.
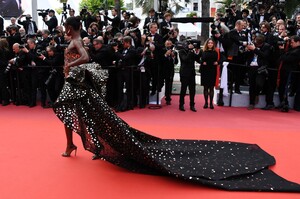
x,y
124,21
71,12
236,41
133,31
93,31
187,75
19,72
261,16
289,62
39,75
168,62
172,35
46,39
258,62
29,25
152,18
4,82
115,21
55,80
153,44
52,22
126,59
166,26
232,15
13,36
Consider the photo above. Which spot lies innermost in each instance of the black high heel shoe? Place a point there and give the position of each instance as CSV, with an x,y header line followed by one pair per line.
x,y
68,152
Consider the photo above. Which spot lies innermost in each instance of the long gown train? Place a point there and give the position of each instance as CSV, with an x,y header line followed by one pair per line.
x,y
227,165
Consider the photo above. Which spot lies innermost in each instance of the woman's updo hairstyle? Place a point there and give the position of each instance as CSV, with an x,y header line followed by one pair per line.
x,y
74,22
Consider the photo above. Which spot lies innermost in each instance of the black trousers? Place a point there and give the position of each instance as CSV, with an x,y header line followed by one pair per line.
x,y
256,83
285,77
4,82
124,76
54,86
270,86
191,83
168,77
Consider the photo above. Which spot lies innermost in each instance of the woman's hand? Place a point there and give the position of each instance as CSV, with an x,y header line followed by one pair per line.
x,y
66,69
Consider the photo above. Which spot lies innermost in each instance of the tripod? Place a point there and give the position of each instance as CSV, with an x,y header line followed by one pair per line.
x,y
63,18
64,14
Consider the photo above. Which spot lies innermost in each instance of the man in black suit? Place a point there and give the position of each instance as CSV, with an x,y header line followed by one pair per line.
x,y
29,25
168,62
258,62
154,44
102,55
261,16
187,75
13,21
232,15
290,62
166,26
10,8
236,40
126,60
13,36
115,21
52,22
150,19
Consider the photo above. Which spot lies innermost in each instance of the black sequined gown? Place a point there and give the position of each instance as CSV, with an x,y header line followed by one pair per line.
x,y
227,165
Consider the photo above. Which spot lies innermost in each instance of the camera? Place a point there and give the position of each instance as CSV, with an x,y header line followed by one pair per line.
x,y
83,11
7,69
40,52
215,28
184,45
52,74
42,12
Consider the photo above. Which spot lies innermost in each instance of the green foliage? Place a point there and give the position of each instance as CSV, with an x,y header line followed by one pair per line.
x,y
95,5
192,14
289,7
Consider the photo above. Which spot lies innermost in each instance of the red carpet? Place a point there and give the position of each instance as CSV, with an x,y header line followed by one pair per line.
x,y
33,138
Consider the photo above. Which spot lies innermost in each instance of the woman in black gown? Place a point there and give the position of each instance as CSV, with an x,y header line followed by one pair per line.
x,y
82,108
208,69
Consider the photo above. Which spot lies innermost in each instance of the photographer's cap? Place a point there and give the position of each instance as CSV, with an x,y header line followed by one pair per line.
x,y
28,16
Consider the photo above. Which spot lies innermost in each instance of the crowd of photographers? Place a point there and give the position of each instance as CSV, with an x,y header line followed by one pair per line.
x,y
32,59
263,50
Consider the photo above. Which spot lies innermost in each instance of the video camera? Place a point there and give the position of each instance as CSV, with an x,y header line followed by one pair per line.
x,y
215,28
42,12
184,45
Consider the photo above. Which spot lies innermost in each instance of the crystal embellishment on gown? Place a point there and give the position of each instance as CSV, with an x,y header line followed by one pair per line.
x,y
226,165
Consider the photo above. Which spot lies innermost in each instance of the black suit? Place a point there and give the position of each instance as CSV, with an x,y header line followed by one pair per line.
x,y
154,62
51,23
234,42
26,24
168,63
257,78
127,59
115,23
12,39
165,28
290,62
149,20
265,17
56,81
187,75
